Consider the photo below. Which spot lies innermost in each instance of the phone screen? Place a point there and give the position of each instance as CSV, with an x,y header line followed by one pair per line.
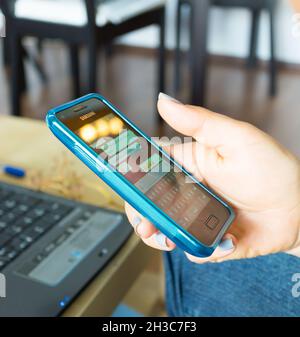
x,y
147,168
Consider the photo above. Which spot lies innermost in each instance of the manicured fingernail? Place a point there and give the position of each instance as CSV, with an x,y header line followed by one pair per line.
x,y
136,223
226,245
168,98
161,240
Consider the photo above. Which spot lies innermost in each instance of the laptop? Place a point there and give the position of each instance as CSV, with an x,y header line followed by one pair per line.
x,y
50,248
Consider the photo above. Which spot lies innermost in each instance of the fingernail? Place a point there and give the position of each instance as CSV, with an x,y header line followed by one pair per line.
x,y
226,245
168,98
136,223
161,240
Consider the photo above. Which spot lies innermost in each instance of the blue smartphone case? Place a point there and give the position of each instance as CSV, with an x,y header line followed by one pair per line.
x,y
127,190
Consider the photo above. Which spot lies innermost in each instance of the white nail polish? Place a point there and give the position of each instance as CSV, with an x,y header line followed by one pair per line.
x,y
226,245
168,98
136,221
161,240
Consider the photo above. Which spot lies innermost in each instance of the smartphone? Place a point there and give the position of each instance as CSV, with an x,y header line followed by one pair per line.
x,y
142,173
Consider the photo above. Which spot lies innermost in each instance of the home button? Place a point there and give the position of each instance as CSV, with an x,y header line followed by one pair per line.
x,y
212,222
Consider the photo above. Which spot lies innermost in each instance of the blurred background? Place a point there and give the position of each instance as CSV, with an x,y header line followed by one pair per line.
x,y
239,42
237,57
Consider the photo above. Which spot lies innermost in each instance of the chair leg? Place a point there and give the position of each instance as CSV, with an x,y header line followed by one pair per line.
x,y
36,63
109,49
161,60
177,68
5,47
198,69
75,73
162,54
16,73
7,63
92,66
24,57
273,63
191,37
252,59
40,45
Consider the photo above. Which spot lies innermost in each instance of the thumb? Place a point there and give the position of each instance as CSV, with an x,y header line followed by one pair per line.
x,y
225,251
209,128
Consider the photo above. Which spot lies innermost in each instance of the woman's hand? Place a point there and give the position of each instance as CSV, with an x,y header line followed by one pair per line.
x,y
247,168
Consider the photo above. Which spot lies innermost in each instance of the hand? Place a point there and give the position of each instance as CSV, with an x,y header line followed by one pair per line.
x,y
245,166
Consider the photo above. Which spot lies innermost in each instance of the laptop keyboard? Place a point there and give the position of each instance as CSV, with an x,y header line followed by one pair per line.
x,y
24,219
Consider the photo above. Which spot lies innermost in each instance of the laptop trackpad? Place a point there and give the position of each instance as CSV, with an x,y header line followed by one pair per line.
x,y
55,261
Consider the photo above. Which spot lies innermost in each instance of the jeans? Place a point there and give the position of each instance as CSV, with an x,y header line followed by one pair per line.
x,y
255,287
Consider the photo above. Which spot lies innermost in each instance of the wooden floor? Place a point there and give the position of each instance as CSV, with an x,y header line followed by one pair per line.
x,y
128,78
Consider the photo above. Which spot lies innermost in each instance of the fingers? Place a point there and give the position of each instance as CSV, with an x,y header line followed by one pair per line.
x,y
141,225
206,127
187,155
159,241
147,232
223,252
155,239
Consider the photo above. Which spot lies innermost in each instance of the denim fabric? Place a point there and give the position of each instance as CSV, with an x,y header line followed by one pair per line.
x,y
253,287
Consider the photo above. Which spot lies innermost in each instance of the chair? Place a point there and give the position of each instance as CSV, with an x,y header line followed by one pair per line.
x,y
200,28
32,59
90,23
4,40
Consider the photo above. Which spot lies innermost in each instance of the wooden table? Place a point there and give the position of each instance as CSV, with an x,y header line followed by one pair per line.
x,y
51,168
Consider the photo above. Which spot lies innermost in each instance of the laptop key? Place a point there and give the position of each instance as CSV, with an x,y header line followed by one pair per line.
x,y
39,212
39,258
4,239
34,214
3,225
8,217
9,204
13,230
28,220
3,251
23,208
3,195
53,218
11,253
22,223
2,211
60,209
19,244
61,239
49,248
45,224
39,229
30,234
27,200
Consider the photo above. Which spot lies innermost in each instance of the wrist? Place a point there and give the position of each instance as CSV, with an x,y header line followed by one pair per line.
x,y
295,220
294,252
